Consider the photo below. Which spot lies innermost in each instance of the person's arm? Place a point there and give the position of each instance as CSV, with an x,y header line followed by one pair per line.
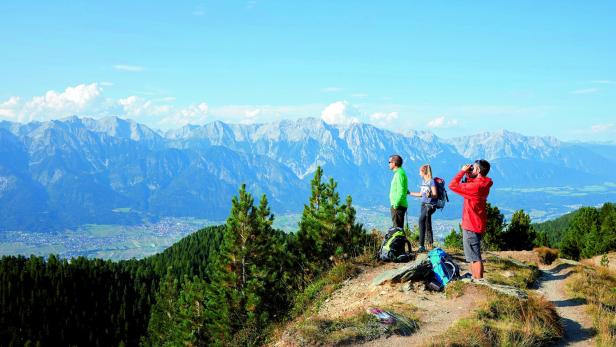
x,y
466,190
415,194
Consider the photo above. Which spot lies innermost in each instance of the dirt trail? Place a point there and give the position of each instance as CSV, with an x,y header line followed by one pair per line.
x,y
577,323
438,313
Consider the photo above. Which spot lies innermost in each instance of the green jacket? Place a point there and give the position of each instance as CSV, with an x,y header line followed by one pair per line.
x,y
399,189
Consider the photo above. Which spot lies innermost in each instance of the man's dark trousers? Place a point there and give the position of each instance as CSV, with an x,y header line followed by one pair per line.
x,y
397,216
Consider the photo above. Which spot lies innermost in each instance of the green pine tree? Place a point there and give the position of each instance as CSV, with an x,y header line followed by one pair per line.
x,y
252,269
519,234
162,325
454,239
493,239
327,228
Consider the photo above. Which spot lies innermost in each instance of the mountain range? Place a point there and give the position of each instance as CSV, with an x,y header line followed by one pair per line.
x,y
64,173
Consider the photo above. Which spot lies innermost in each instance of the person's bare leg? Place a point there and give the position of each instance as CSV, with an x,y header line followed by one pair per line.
x,y
477,269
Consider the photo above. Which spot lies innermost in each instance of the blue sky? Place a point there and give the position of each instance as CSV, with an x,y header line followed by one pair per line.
x,y
453,68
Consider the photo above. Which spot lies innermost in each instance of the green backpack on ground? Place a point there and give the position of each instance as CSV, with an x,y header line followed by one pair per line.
x,y
394,246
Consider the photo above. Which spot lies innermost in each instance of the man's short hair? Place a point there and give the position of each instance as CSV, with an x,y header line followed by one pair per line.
x,y
484,167
396,159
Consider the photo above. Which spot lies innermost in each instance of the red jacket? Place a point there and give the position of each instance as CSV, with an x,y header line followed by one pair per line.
x,y
475,193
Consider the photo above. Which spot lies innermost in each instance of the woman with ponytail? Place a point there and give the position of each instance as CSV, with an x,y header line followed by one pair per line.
x,y
428,195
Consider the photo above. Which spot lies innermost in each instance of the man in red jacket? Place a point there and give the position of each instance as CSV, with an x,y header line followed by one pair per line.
x,y
474,189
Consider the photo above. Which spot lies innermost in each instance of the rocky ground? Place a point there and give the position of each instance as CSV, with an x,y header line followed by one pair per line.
x,y
437,313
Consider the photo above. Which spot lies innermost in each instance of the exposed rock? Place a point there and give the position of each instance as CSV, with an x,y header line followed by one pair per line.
x,y
418,269
503,289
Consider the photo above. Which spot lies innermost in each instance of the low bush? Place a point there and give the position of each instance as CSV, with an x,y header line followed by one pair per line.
x,y
506,321
546,255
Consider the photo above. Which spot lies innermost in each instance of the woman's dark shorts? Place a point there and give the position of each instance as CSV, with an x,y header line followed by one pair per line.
x,y
472,246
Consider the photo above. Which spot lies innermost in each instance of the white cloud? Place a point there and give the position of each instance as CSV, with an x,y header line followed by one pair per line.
x,y
384,117
7,108
11,102
601,128
340,112
134,106
250,116
603,82
53,104
442,122
129,68
106,84
193,114
585,91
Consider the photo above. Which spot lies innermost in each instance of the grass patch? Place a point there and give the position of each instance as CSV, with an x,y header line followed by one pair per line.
x,y
312,297
503,271
506,321
598,287
361,327
454,289
319,290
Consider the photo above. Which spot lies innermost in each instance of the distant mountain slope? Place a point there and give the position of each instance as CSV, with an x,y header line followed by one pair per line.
x,y
64,173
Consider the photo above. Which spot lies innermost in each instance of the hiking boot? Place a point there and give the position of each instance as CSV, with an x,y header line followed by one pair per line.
x,y
421,249
466,278
466,275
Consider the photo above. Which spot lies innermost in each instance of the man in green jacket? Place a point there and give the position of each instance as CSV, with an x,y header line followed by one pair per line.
x,y
398,191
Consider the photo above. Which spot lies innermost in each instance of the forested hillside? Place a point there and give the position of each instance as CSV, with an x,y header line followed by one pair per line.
x,y
584,233
90,301
222,284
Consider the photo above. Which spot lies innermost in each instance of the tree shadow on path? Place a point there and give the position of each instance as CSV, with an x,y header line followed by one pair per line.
x,y
574,332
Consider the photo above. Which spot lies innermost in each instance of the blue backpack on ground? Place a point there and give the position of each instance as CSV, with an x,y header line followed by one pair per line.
x,y
443,267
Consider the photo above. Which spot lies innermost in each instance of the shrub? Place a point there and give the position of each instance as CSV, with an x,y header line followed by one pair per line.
x,y
506,321
546,255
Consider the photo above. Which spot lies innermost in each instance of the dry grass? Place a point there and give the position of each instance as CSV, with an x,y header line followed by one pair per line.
x,y
503,271
506,321
598,287
546,255
318,291
360,327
